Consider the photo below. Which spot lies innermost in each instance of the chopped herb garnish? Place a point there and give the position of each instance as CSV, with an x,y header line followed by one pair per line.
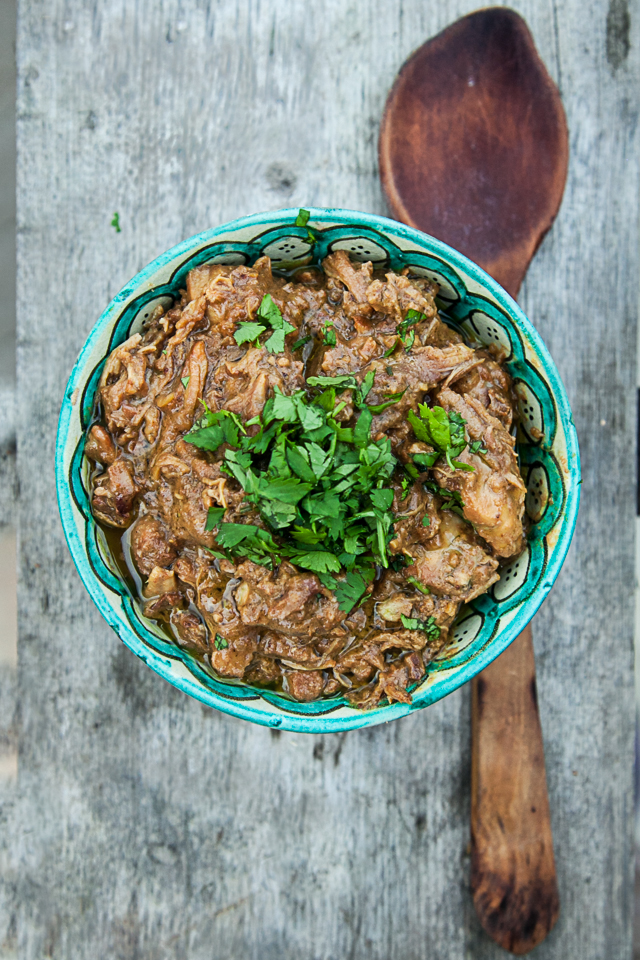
x,y
451,499
329,334
407,335
442,430
391,349
115,223
270,314
320,489
214,516
419,586
185,381
302,220
477,447
299,344
247,332
214,429
429,626
220,643
426,521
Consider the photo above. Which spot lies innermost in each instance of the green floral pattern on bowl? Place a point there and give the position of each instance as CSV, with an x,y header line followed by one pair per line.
x,y
473,302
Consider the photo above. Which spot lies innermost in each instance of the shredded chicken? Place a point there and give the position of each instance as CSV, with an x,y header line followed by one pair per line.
x,y
283,628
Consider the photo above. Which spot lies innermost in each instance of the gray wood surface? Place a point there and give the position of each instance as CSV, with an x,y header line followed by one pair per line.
x,y
144,825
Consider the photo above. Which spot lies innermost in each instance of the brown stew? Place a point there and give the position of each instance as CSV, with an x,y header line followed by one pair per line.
x,y
309,475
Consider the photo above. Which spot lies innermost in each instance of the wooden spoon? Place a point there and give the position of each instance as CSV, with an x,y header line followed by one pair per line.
x,y
473,150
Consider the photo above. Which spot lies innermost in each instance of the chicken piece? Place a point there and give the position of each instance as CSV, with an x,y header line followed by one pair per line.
x,y
418,519
262,671
123,376
392,683
114,494
160,581
199,279
304,687
287,601
179,421
490,385
277,645
232,660
493,493
357,280
151,545
99,446
396,295
453,563
189,630
161,608
243,385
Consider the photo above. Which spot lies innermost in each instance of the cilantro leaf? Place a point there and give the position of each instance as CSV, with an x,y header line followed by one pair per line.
x,y
362,428
318,561
303,217
248,331
429,626
222,427
419,586
185,381
269,312
214,516
350,590
301,342
220,643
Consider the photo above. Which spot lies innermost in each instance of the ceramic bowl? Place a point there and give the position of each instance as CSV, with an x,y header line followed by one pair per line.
x,y
473,302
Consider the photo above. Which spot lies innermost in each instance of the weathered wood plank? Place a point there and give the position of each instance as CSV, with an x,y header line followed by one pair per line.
x,y
146,825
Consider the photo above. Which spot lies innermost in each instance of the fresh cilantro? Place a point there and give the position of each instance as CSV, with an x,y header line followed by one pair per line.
x,y
321,490
391,399
115,223
349,591
214,429
270,315
429,626
426,521
185,381
329,334
318,561
214,516
419,586
299,344
247,332
451,499
477,447
269,311
442,430
302,220
391,349
220,643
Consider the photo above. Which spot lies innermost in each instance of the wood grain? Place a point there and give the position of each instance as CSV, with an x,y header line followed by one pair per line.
x,y
513,876
474,149
473,144
146,826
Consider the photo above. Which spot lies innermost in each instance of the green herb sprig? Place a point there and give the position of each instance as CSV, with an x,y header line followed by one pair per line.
x,y
320,489
442,430
428,626
270,314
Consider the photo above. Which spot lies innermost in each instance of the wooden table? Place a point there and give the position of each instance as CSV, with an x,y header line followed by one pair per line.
x,y
143,824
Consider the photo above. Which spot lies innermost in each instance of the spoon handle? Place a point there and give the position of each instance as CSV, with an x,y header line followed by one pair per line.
x,y
513,874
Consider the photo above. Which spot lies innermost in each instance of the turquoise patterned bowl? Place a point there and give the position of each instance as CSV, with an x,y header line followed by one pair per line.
x,y
472,301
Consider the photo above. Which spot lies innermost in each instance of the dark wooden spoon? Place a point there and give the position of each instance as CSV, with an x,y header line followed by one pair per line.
x,y
473,150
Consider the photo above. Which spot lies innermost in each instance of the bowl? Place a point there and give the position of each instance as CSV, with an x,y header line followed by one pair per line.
x,y
472,302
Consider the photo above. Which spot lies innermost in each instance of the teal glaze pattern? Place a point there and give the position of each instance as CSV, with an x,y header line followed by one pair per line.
x,y
471,301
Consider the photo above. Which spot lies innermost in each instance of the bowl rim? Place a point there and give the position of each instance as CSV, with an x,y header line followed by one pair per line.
x,y
325,723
